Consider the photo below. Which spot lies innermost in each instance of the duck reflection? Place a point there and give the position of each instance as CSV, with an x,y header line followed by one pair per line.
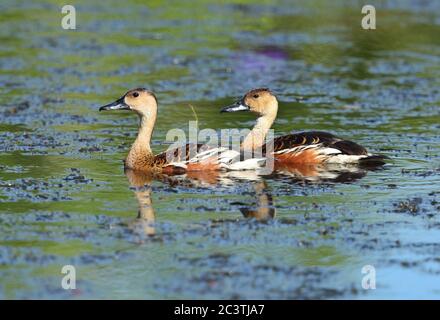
x,y
322,173
140,183
264,207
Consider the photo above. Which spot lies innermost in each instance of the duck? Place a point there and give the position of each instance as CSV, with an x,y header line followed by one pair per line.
x,y
296,149
190,157
143,102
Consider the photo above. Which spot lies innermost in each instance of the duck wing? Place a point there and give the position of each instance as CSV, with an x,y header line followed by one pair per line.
x,y
180,154
317,138
321,147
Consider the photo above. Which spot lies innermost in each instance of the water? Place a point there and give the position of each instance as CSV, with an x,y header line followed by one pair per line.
x,y
64,198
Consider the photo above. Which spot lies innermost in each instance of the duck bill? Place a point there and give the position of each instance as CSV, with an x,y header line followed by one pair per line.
x,y
238,106
117,105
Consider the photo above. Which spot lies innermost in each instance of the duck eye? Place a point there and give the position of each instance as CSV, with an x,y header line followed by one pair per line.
x,y
256,96
135,94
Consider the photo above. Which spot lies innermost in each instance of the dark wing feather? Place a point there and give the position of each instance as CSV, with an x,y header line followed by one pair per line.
x,y
326,139
183,153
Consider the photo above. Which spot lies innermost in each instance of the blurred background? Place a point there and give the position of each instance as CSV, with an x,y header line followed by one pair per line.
x,y
64,198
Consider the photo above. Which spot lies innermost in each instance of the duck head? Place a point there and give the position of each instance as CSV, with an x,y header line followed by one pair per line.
x,y
260,101
139,100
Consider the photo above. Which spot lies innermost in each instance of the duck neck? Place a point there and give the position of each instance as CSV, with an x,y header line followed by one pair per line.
x,y
256,137
140,152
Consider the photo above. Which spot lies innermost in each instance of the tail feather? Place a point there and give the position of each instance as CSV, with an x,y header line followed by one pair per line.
x,y
373,161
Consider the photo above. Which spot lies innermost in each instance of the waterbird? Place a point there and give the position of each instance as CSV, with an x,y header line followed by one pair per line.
x,y
143,102
187,158
296,149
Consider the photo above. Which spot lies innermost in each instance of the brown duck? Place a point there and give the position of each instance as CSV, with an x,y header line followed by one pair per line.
x,y
302,148
140,157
